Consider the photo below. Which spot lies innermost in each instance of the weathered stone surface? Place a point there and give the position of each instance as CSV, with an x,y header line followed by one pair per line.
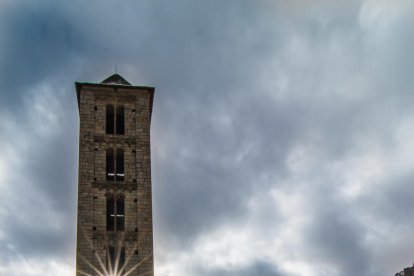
x,y
93,188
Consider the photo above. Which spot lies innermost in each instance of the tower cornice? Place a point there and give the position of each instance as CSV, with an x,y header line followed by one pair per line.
x,y
81,85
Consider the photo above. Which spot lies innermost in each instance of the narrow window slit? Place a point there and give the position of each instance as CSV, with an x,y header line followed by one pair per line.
x,y
110,164
120,165
115,213
120,120
110,119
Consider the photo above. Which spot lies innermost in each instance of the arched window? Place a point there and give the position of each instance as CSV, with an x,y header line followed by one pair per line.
x,y
110,123
115,120
120,120
115,261
115,165
120,165
120,214
110,213
110,170
115,213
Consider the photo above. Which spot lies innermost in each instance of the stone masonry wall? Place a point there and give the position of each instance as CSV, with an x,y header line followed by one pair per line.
x,y
93,188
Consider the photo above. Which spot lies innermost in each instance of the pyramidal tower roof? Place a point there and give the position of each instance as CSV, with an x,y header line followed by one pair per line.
x,y
115,83
115,79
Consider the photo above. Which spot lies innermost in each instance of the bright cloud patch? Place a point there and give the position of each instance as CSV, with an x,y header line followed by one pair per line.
x,y
281,132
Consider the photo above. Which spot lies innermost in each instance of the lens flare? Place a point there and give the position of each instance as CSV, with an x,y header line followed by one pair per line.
x,y
109,270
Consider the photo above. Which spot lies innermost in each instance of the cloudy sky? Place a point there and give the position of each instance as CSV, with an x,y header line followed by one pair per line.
x,y
282,131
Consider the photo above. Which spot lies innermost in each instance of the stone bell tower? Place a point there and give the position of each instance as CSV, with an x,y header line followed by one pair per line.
x,y
114,234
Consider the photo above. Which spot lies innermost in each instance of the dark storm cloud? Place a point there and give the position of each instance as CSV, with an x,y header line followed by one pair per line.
x,y
36,41
220,158
337,238
38,190
392,201
251,99
259,268
43,42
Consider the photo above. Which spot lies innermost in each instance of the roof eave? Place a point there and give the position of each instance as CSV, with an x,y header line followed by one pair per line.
x,y
150,89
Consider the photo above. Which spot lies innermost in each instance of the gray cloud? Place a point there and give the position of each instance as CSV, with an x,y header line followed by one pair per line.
x,y
287,124
259,268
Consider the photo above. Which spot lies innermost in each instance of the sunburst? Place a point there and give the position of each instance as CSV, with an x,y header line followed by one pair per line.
x,y
102,270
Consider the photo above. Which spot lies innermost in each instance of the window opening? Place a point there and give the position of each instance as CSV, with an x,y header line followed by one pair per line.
x,y
110,175
120,120
120,214
110,213
120,164
115,260
110,258
122,261
115,165
115,120
115,213
110,122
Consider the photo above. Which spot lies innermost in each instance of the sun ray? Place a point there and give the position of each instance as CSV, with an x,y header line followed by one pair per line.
x,y
137,265
101,263
92,266
90,242
109,263
83,273
112,269
118,256
129,257
145,273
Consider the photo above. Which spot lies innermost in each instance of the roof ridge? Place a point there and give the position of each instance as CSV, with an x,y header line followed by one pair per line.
x,y
116,79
